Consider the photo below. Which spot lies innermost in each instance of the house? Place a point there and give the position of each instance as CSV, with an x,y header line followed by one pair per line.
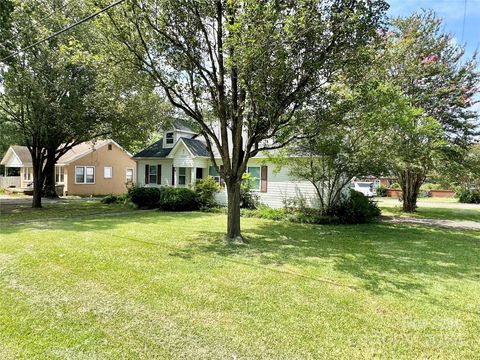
x,y
180,158
90,168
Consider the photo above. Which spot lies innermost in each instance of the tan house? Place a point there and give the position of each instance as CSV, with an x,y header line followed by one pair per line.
x,y
90,168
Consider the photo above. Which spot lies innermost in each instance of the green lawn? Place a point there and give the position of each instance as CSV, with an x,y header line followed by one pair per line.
x,y
433,208
166,285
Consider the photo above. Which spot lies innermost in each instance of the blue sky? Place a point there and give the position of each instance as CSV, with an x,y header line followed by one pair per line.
x,y
452,12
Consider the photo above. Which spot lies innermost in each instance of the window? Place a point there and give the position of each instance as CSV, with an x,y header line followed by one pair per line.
x,y
109,146
59,174
85,174
107,172
27,173
254,172
214,173
13,171
129,175
152,174
169,138
199,174
182,176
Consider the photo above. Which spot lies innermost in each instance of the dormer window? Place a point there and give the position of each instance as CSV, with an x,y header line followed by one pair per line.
x,y
169,138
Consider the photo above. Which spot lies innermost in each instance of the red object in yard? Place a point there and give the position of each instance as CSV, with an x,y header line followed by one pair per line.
x,y
395,193
442,193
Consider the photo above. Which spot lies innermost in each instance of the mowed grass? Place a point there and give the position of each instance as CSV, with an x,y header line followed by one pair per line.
x,y
62,210
167,285
433,208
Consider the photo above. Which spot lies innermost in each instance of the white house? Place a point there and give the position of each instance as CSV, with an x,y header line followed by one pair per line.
x,y
181,157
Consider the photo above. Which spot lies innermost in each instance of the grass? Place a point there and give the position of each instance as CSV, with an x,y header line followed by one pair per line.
x,y
166,285
432,208
25,213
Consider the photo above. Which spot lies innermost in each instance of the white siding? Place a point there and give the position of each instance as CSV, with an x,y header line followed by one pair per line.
x,y
280,187
166,171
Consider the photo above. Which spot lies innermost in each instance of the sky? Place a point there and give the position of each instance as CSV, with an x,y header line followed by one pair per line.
x,y
452,12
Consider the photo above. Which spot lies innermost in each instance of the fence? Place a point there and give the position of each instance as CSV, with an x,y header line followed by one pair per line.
x,y
9,181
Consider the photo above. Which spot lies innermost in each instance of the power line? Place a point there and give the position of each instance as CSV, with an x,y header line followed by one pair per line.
x,y
39,22
464,16
85,19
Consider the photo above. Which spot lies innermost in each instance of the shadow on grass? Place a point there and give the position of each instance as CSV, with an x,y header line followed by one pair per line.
x,y
380,258
384,258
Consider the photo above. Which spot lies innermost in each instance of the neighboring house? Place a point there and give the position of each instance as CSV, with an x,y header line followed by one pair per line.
x,y
181,158
90,168
385,181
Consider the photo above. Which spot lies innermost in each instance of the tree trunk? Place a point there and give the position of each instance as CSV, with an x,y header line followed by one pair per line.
x,y
233,218
49,173
37,184
410,182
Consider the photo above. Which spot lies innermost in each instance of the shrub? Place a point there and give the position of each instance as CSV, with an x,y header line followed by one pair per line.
x,y
357,209
381,191
469,196
248,199
178,199
205,190
145,197
110,199
395,186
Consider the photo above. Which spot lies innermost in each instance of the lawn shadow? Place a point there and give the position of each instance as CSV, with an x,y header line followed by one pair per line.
x,y
381,258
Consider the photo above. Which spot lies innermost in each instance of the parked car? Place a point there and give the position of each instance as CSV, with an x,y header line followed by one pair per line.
x,y
366,188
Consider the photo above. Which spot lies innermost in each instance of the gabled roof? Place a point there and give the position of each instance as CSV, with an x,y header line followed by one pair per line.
x,y
23,153
17,156
196,147
156,150
77,152
81,150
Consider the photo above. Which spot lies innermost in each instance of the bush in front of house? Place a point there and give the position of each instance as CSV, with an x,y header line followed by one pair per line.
x,y
145,197
382,191
469,196
178,199
395,186
110,199
357,209
205,190
248,198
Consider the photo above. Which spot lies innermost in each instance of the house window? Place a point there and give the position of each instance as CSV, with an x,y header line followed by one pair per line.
x,y
182,176
214,173
109,146
85,174
107,172
12,171
254,172
129,175
27,173
152,174
59,174
169,138
199,174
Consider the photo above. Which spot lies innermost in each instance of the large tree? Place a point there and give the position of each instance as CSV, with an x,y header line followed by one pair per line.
x,y
241,69
431,73
65,91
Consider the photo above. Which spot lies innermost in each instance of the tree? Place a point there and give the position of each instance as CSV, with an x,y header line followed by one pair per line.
x,y
345,139
438,84
58,94
464,172
242,69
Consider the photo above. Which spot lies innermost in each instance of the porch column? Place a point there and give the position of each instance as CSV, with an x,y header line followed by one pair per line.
x,y
193,175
